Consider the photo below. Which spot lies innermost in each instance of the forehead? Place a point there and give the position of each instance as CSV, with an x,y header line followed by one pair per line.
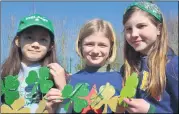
x,y
96,37
138,17
36,29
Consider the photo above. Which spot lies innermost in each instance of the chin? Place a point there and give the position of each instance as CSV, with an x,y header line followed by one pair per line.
x,y
34,59
95,64
138,49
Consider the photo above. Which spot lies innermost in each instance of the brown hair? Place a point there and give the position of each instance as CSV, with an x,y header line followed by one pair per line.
x,y
157,58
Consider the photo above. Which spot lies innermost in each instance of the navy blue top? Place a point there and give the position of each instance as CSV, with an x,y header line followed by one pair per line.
x,y
99,79
168,102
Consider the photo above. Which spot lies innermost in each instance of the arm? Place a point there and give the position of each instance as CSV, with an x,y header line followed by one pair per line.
x,y
172,82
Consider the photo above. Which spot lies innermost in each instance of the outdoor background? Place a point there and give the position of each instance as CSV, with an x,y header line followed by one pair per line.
x,y
68,17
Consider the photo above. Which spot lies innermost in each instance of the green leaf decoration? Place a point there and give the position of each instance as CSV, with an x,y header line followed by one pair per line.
x,y
10,88
32,77
129,90
132,80
41,80
76,96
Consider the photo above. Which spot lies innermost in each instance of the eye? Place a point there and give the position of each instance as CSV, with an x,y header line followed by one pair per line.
x,y
28,37
128,29
88,44
141,26
102,45
43,40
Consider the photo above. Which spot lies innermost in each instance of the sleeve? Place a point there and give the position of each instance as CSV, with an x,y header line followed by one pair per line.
x,y
172,82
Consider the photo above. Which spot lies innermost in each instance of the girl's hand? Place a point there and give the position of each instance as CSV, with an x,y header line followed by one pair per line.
x,y
53,99
58,74
137,105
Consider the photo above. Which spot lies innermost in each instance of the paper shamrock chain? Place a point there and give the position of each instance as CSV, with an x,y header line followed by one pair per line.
x,y
10,84
41,80
129,89
81,90
9,87
80,98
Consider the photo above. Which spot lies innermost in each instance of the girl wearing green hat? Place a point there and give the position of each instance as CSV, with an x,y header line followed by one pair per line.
x,y
147,53
33,47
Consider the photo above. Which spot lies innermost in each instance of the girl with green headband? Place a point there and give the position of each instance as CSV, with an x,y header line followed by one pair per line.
x,y
147,52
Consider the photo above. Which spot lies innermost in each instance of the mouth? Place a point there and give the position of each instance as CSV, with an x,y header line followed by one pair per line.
x,y
95,57
33,51
136,42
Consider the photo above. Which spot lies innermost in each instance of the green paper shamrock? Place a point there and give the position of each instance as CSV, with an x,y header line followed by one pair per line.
x,y
41,80
81,90
129,89
10,89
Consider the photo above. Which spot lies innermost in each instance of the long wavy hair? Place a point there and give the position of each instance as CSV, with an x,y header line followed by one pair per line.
x,y
157,58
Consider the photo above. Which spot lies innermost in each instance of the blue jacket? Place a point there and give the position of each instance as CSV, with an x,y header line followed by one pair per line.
x,y
168,102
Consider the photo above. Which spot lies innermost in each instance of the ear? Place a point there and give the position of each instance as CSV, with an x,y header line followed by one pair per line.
x,y
159,28
17,41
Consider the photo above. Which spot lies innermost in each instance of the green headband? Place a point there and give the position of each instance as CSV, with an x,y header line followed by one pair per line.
x,y
148,7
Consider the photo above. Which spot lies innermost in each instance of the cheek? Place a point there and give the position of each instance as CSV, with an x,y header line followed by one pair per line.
x,y
86,50
127,38
106,51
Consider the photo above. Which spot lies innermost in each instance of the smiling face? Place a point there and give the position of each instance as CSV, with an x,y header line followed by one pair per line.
x,y
140,32
95,49
34,43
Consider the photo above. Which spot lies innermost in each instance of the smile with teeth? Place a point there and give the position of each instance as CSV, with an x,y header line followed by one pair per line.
x,y
32,51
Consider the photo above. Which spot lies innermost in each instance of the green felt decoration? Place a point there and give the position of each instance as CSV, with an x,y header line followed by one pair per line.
x,y
129,90
10,88
81,90
42,80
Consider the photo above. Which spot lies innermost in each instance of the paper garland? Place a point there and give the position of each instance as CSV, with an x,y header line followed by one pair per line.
x,y
80,98
9,86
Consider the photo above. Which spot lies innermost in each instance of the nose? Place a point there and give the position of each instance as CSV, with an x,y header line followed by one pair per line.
x,y
95,50
35,45
135,33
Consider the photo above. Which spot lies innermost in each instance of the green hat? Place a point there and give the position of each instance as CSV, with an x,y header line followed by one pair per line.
x,y
35,20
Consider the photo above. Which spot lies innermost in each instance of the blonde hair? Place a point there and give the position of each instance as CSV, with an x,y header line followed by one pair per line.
x,y
93,26
157,59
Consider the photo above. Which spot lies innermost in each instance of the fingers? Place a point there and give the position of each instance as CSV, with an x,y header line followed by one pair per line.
x,y
53,91
54,96
131,102
58,74
56,67
55,99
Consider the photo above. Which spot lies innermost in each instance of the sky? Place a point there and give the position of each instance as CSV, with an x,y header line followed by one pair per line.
x,y
72,14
